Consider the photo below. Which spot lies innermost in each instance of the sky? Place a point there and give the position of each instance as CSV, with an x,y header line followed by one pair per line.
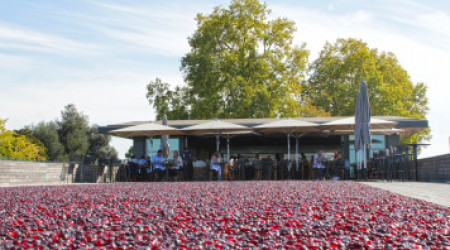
x,y
100,55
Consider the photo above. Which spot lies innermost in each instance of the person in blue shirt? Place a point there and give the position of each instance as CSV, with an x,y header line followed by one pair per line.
x,y
158,167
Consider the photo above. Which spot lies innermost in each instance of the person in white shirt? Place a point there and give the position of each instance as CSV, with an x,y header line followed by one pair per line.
x,y
177,164
319,166
158,167
215,166
177,161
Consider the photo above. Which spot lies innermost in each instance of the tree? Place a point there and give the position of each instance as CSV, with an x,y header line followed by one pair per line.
x,y
130,152
241,64
73,131
47,132
337,73
19,146
99,145
173,103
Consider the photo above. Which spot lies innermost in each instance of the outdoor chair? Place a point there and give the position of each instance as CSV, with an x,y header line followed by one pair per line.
x,y
210,173
266,165
283,170
258,171
230,172
199,170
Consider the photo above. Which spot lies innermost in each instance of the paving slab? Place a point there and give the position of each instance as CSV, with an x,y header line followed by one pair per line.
x,y
438,193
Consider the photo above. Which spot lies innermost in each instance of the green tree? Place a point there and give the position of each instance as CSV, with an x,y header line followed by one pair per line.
x,y
20,146
99,145
47,132
130,152
336,75
173,103
73,131
241,64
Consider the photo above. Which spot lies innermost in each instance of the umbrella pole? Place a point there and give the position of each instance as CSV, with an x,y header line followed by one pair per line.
x,y
296,153
289,150
357,162
365,161
217,143
228,148
151,146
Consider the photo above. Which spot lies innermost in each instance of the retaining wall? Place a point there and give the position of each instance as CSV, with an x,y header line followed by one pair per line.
x,y
433,169
17,173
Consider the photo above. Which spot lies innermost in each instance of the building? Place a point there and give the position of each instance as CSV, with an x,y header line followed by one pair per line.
x,y
202,145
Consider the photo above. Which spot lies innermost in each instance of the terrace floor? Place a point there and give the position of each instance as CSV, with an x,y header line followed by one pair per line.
x,y
438,193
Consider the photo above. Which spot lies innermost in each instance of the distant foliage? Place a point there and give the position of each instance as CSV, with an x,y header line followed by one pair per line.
x,y
99,144
71,135
47,132
130,152
73,131
20,146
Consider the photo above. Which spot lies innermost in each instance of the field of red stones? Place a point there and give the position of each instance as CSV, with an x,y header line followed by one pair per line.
x,y
219,215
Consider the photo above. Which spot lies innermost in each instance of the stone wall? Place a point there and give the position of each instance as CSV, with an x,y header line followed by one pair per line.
x,y
434,169
18,173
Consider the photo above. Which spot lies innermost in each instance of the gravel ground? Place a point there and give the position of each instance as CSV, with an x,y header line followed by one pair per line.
x,y
225,215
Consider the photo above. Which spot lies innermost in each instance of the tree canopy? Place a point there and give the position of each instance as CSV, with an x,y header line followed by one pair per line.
x,y
20,146
99,144
241,64
71,135
340,68
73,131
47,132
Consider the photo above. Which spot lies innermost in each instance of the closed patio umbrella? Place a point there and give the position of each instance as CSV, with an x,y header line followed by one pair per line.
x,y
362,121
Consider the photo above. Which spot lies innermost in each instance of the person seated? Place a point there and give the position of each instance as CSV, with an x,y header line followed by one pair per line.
x,y
215,166
158,167
319,166
141,165
177,164
339,163
133,165
146,169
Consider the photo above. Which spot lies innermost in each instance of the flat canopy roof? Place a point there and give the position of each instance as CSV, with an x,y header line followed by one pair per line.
x,y
407,125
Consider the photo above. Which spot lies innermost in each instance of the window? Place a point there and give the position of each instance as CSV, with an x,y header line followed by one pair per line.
x,y
378,143
174,144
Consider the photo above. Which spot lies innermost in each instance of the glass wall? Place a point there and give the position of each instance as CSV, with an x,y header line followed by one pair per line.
x,y
378,143
174,144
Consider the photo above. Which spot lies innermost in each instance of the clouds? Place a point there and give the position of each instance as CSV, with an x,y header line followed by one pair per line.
x,y
17,38
100,55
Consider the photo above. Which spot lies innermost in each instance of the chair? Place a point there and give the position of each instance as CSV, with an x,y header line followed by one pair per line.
x,y
229,172
258,170
211,174
266,168
283,169
199,170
